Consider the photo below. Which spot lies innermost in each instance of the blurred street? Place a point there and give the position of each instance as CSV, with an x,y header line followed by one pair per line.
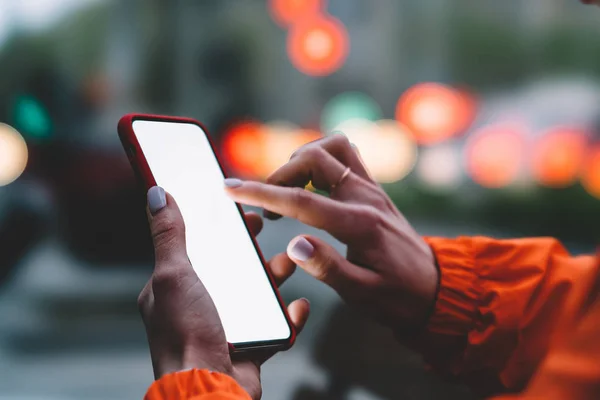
x,y
476,117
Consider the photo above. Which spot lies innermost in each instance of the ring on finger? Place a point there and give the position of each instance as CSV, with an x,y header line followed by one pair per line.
x,y
342,179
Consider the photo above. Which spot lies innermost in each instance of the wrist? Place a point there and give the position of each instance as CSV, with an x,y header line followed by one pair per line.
x,y
424,297
216,360
192,358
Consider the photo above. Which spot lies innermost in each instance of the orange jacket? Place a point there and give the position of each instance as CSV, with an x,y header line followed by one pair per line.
x,y
506,309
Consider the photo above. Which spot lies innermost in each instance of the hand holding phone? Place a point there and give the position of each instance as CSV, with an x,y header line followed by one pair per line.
x,y
182,324
177,155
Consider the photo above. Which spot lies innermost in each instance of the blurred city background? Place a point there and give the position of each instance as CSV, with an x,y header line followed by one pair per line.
x,y
477,116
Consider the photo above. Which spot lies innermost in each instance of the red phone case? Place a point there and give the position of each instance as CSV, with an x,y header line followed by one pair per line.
x,y
142,169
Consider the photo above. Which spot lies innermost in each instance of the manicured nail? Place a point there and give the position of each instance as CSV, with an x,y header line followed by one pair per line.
x,y
301,250
157,199
233,182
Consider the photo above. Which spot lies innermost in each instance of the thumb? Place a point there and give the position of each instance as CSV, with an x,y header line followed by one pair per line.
x,y
323,262
166,226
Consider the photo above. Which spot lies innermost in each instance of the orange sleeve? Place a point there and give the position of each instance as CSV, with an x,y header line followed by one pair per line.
x,y
498,303
196,384
571,369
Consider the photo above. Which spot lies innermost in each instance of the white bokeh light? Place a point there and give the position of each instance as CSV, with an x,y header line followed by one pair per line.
x,y
440,167
386,147
13,154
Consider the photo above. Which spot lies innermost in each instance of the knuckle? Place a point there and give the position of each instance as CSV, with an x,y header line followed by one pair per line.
x,y
300,199
166,230
300,150
142,300
371,219
165,280
300,196
341,140
379,202
315,153
325,268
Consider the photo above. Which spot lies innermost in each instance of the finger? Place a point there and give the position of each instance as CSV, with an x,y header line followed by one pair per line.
x,y
338,145
299,310
324,263
362,162
167,228
315,165
282,267
322,162
146,300
254,221
337,218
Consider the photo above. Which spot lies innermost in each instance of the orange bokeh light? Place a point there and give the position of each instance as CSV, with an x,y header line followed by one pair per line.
x,y
590,177
435,112
242,147
495,155
318,46
256,150
558,156
287,12
281,142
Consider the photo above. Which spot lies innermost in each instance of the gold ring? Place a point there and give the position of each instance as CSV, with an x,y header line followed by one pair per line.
x,y
342,179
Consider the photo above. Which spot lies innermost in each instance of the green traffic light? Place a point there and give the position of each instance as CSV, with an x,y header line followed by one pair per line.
x,y
31,118
349,105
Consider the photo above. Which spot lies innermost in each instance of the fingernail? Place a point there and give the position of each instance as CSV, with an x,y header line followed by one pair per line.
x,y
157,199
306,300
301,250
233,182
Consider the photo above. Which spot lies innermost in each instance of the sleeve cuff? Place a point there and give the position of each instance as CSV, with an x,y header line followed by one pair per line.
x,y
445,338
184,385
456,304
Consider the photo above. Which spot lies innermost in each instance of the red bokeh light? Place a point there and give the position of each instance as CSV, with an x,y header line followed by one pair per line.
x,y
318,46
242,147
495,155
590,176
435,112
255,150
287,12
558,156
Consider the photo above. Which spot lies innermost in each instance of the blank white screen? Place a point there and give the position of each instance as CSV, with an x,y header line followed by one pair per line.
x,y
218,243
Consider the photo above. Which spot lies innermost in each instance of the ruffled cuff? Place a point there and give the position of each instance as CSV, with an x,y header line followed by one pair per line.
x,y
446,334
456,304
195,383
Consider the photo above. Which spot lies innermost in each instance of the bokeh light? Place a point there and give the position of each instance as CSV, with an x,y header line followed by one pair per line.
x,y
590,176
440,167
287,12
242,147
318,45
435,112
31,118
256,150
386,147
558,156
13,154
282,139
495,155
349,105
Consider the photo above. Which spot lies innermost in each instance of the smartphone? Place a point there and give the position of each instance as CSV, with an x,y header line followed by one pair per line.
x,y
178,155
